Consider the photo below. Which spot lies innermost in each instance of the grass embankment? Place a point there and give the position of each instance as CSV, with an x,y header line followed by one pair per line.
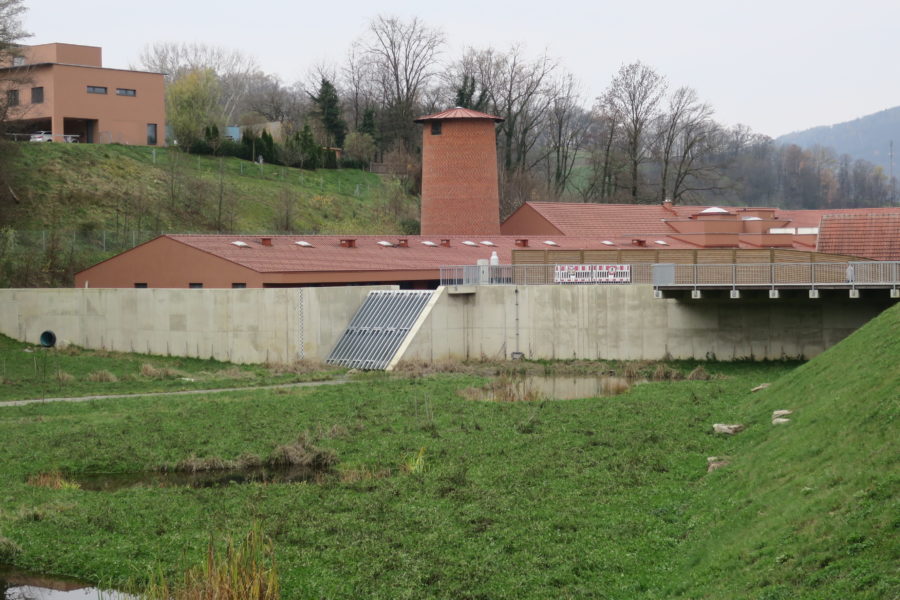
x,y
604,498
78,204
809,509
28,372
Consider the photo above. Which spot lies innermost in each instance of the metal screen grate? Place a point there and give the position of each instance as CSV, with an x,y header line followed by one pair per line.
x,y
378,328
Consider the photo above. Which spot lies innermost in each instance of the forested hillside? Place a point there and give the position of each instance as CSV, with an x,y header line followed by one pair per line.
x,y
867,138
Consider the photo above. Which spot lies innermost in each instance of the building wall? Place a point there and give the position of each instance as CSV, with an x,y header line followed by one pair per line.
x,y
627,323
68,108
70,54
460,193
243,326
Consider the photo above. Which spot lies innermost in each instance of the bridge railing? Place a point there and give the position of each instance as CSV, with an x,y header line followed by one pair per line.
x,y
762,275
772,275
521,274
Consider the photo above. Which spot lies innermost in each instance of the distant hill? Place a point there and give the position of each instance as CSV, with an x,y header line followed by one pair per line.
x,y
868,137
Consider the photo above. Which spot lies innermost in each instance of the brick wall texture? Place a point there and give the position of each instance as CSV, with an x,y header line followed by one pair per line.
x,y
460,192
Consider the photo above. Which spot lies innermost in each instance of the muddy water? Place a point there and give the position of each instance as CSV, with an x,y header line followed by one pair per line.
x,y
572,387
110,482
21,585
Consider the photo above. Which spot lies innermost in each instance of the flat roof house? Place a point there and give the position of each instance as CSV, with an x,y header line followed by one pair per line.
x,y
64,90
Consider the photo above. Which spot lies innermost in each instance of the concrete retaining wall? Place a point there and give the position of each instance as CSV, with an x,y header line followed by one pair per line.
x,y
552,322
243,326
627,322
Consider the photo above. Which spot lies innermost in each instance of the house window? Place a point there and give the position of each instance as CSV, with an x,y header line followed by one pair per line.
x,y
96,89
37,95
125,92
195,286
18,61
12,97
435,128
140,285
151,134
238,285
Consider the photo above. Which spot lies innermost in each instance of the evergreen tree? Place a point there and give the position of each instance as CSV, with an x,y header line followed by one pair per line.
x,y
328,107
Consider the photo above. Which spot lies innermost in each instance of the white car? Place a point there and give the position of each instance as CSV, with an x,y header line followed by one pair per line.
x,y
41,136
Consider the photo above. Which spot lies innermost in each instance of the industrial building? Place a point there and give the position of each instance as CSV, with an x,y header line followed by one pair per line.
x,y
460,225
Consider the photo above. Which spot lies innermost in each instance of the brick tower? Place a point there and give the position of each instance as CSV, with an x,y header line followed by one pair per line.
x,y
460,194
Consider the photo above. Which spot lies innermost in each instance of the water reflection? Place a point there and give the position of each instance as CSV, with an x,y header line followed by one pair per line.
x,y
110,482
21,585
515,388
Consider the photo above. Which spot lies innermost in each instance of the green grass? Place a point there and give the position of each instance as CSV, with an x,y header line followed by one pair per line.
x,y
593,498
110,186
79,204
28,371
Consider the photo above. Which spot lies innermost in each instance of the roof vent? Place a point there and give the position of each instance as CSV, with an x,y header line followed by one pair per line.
x,y
550,243
240,244
522,242
348,243
385,243
469,243
266,241
638,242
608,243
304,244
429,244
403,243
445,243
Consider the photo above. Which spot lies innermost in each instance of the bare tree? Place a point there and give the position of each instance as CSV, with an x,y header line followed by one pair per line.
x,y
267,97
403,55
567,129
682,133
635,93
232,67
356,84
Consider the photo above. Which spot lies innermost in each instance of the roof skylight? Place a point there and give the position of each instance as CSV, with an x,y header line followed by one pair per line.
x,y
386,244
608,243
713,210
550,243
751,219
661,242
240,244
469,243
430,244
304,244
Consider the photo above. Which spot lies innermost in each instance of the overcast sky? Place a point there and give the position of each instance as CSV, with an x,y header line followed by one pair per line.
x,y
775,65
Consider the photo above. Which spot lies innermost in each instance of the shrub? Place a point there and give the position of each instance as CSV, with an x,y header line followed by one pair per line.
x,y
102,376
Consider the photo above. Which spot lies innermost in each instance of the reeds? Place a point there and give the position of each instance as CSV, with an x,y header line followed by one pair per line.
x,y
53,480
246,571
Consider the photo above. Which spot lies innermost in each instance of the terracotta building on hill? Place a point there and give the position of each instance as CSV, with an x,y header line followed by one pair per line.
x,y
461,226
62,92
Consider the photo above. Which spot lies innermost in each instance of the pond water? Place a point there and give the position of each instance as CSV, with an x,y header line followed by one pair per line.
x,y
572,387
110,482
557,387
21,585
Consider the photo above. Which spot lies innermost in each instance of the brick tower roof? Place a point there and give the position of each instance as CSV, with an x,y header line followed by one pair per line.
x,y
458,113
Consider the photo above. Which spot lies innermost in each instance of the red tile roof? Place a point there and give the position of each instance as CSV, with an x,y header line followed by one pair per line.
x,y
458,113
874,235
327,254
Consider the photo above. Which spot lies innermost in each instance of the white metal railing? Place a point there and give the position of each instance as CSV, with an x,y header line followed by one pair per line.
x,y
772,275
522,275
762,275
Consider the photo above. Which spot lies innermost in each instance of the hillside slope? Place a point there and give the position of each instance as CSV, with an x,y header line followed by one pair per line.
x,y
76,204
868,137
809,509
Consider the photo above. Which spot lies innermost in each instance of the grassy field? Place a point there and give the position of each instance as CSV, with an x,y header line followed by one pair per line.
x,y
28,371
437,496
